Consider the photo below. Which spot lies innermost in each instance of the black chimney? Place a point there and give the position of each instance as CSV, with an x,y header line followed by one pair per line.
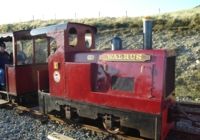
x,y
116,43
147,33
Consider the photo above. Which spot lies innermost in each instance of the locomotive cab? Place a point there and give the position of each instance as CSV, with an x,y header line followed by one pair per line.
x,y
124,88
69,39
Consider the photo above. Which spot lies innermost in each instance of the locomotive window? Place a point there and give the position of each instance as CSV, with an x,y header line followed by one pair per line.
x,y
88,39
72,37
41,50
122,83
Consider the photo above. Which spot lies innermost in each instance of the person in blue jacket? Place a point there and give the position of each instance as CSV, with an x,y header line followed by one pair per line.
x,y
4,59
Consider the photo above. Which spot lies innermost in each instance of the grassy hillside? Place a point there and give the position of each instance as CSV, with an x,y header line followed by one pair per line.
x,y
181,20
178,30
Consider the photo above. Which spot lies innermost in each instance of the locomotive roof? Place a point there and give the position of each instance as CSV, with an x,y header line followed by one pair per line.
x,y
55,28
26,34
48,29
21,34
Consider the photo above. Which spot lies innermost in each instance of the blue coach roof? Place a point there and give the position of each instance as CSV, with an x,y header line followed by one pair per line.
x,y
47,29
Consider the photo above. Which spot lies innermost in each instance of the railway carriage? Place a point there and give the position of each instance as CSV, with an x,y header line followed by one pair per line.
x,y
29,54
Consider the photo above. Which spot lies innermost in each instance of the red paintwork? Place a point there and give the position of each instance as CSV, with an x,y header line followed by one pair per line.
x,y
76,83
43,80
22,79
141,99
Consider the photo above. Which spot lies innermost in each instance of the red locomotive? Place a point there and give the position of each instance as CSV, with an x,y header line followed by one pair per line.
x,y
125,88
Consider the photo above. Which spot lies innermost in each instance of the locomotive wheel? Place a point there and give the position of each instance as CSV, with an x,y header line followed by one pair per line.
x,y
112,130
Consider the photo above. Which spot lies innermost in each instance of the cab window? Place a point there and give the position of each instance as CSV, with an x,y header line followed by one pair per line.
x,y
72,37
41,50
88,39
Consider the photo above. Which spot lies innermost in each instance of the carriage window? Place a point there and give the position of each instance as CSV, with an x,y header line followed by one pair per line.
x,y
8,46
24,52
72,37
41,50
122,83
88,39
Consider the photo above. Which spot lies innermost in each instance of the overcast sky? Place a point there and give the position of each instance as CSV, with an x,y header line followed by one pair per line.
x,y
24,10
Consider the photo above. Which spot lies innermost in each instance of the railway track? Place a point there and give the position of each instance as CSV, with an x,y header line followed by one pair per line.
x,y
188,112
190,108
177,134
34,112
187,125
187,117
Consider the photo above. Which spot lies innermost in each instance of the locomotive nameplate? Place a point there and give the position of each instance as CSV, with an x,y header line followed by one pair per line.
x,y
125,57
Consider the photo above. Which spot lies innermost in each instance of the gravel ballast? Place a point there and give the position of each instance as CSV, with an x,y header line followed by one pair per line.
x,y
23,127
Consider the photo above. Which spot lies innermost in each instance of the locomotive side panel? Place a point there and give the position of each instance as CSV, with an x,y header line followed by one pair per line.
x,y
78,81
94,83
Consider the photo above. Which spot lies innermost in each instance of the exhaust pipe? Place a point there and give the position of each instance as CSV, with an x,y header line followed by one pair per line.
x,y
116,43
147,33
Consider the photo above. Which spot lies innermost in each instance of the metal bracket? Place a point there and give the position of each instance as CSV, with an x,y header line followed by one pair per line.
x,y
68,112
108,119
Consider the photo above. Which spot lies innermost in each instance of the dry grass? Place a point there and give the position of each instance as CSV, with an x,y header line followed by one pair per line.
x,y
181,20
